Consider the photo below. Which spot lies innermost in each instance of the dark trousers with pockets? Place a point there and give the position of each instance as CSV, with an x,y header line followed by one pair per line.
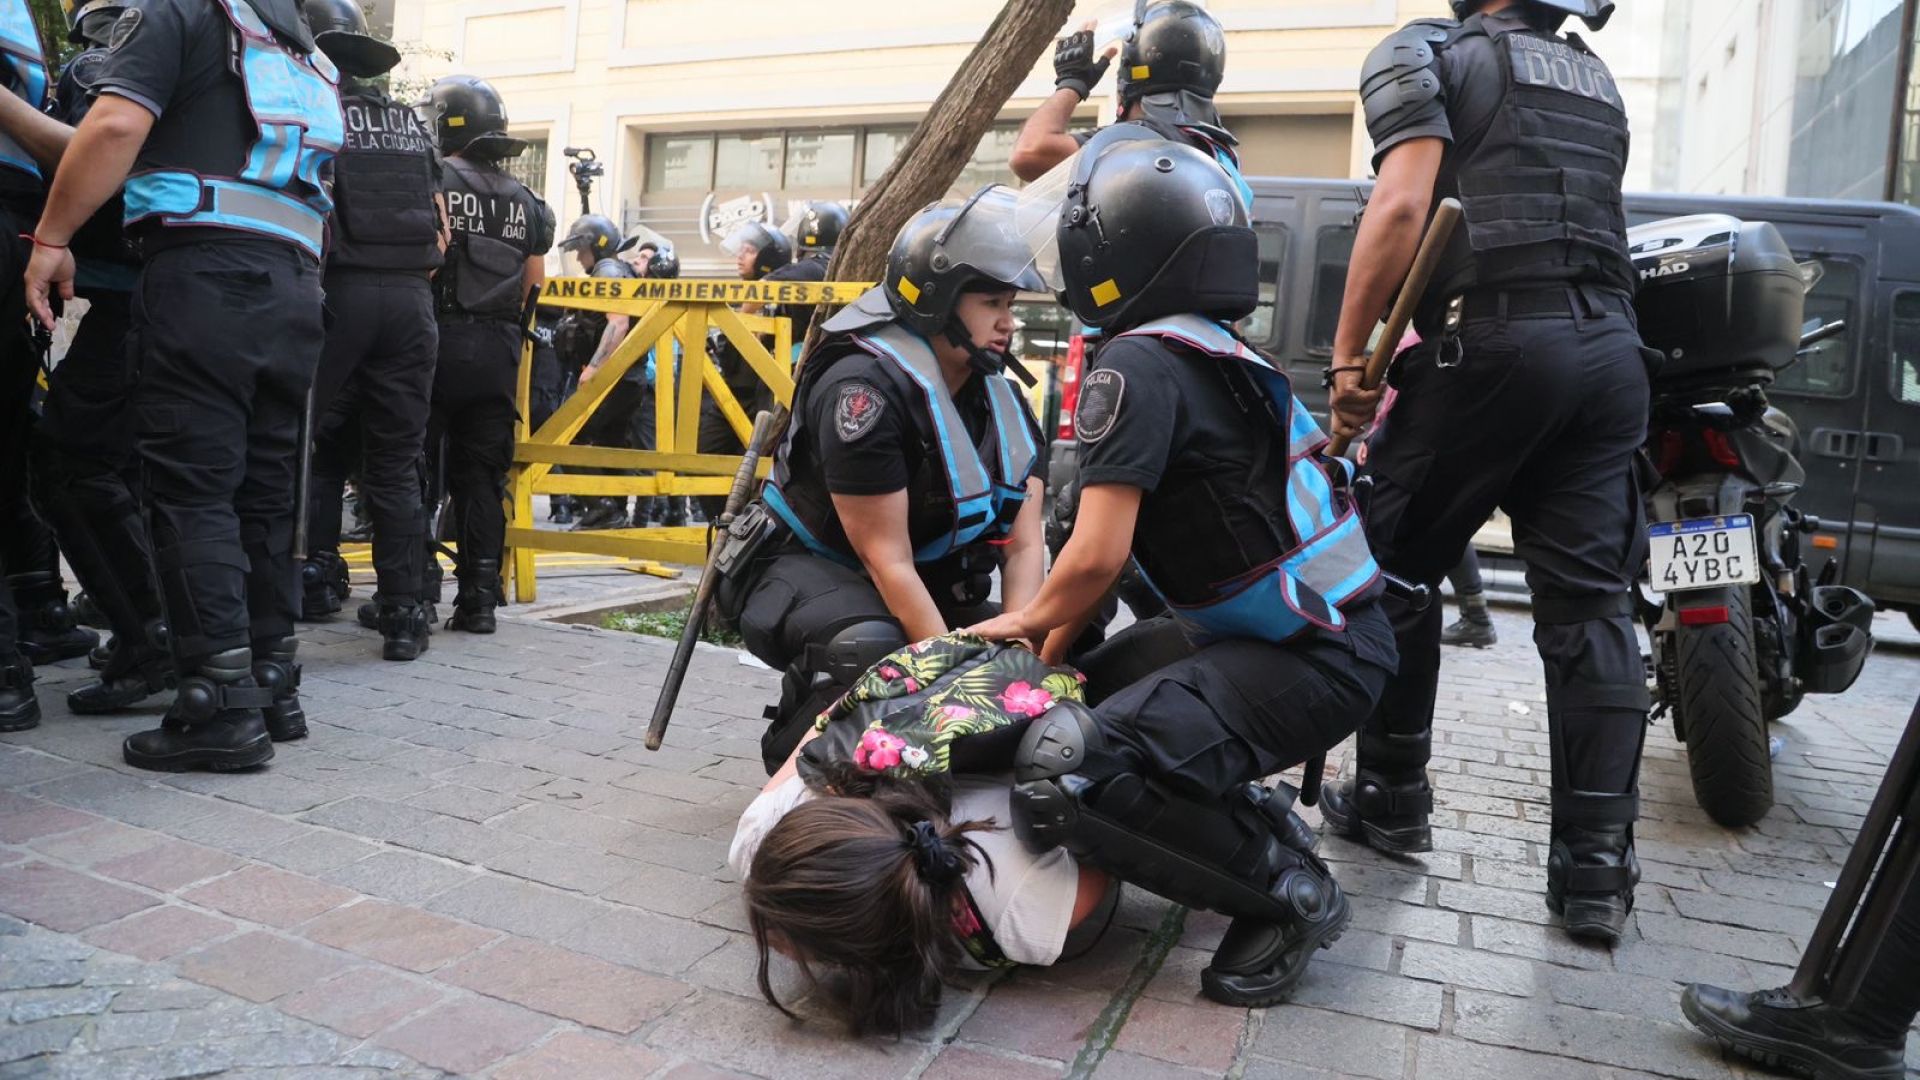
x,y
1540,416
85,471
474,412
226,335
18,367
370,405
1205,719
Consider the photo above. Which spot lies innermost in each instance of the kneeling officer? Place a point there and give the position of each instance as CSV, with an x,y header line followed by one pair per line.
x,y
908,475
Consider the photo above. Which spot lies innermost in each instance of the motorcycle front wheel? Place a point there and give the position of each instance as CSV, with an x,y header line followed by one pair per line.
x,y
1718,711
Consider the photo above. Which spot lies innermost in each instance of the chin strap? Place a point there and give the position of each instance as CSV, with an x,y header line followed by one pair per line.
x,y
985,361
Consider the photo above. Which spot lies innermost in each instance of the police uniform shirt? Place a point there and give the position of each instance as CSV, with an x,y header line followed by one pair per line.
x,y
811,268
1160,419
1471,88
864,440
170,57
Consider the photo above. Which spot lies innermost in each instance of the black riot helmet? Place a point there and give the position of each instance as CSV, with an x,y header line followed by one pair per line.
x,y
820,226
1175,47
771,247
951,248
91,22
1594,13
340,29
664,264
596,236
468,118
1148,228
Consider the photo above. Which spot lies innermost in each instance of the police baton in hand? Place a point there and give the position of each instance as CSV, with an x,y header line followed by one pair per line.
x,y
737,498
1432,246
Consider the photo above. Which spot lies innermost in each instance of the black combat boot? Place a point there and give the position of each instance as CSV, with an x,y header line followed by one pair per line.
x,y
604,513
214,724
19,709
560,509
49,632
479,594
1474,628
1779,1031
134,672
275,670
88,613
1591,872
1261,960
405,626
1389,813
101,655
324,585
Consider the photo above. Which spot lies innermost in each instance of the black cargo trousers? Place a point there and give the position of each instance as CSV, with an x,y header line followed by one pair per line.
x,y
1538,407
225,336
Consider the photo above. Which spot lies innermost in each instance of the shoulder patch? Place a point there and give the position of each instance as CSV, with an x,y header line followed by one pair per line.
x,y
127,25
857,410
1099,404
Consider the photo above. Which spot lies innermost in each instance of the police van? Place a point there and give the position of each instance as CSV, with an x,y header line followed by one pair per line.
x,y
1855,398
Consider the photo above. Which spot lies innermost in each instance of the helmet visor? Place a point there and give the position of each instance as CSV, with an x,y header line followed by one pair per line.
x,y
752,233
1040,205
999,232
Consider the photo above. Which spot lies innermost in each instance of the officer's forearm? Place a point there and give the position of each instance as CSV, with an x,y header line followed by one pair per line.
x,y
906,596
1095,554
1026,563
1382,254
610,338
98,159
39,134
1043,141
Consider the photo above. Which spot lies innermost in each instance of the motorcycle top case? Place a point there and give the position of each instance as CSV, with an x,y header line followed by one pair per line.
x,y
1718,295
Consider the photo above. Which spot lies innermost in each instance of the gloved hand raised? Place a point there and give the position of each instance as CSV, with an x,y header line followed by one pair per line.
x,y
1074,65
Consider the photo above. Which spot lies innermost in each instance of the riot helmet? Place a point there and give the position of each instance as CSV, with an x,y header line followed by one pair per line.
x,y
664,264
1172,62
594,237
820,226
340,30
951,248
468,118
769,249
1594,13
1145,228
91,22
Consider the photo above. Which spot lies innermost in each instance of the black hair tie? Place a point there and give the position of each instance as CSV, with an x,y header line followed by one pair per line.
x,y
937,863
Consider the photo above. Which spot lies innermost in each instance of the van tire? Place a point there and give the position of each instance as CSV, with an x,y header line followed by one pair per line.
x,y
1719,709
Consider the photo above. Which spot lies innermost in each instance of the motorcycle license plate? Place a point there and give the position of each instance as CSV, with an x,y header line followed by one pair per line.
x,y
1703,553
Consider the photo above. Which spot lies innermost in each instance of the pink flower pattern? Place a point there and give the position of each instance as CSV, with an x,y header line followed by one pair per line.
x,y
878,751
1025,699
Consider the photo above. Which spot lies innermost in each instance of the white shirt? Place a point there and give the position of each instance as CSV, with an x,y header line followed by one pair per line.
x,y
1027,902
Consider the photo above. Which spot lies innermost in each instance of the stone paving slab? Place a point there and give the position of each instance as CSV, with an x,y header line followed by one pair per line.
x,y
474,868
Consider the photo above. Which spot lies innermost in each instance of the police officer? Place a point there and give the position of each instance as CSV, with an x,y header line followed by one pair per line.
x,y
596,245
376,372
759,250
669,510
85,479
1528,393
501,233
1198,462
228,116
909,456
816,233
1170,67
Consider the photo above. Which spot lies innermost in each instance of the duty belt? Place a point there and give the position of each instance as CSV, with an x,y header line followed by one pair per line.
x,y
1568,301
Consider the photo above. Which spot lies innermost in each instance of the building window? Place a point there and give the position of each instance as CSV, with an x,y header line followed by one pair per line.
x,y
883,145
1332,252
1826,369
530,168
751,162
820,159
679,162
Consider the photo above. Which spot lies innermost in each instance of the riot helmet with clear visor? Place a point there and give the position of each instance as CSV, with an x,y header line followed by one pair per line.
x,y
1594,13
771,249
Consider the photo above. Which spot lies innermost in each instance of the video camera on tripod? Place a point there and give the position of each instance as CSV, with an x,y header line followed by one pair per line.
x,y
586,168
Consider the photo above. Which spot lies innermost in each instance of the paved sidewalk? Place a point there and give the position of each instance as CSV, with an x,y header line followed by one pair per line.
x,y
473,867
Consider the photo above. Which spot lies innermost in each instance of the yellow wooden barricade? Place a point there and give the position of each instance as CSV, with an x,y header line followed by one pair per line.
x,y
663,313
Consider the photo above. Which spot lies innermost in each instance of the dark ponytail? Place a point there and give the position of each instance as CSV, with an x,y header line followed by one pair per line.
x,y
866,886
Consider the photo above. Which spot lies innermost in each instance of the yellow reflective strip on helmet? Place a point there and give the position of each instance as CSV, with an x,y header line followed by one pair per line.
x,y
456,121
1105,293
909,290
1140,71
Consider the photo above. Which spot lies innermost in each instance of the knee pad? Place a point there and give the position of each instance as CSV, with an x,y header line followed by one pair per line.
x,y
854,648
1057,742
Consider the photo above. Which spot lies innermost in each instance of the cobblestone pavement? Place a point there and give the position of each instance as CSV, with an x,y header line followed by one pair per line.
x,y
473,867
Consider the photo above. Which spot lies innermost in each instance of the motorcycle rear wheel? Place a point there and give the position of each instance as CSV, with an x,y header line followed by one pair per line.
x,y
1719,710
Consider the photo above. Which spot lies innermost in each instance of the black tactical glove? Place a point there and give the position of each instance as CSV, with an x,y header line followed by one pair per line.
x,y
1075,67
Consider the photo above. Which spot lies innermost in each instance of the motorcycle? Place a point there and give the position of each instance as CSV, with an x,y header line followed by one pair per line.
x,y
1741,629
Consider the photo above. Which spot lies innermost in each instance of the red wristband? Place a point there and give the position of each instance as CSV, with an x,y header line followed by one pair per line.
x,y
37,242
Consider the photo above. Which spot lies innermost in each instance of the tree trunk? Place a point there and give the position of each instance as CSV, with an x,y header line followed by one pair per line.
x,y
939,148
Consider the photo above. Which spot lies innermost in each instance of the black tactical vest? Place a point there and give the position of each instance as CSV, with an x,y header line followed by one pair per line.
x,y
384,181
1541,183
496,223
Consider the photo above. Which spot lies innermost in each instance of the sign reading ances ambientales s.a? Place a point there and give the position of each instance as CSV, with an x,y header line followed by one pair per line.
x,y
696,291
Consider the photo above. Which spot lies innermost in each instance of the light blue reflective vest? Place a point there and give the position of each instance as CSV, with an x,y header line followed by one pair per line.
x,y
985,500
26,74
295,103
1329,562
